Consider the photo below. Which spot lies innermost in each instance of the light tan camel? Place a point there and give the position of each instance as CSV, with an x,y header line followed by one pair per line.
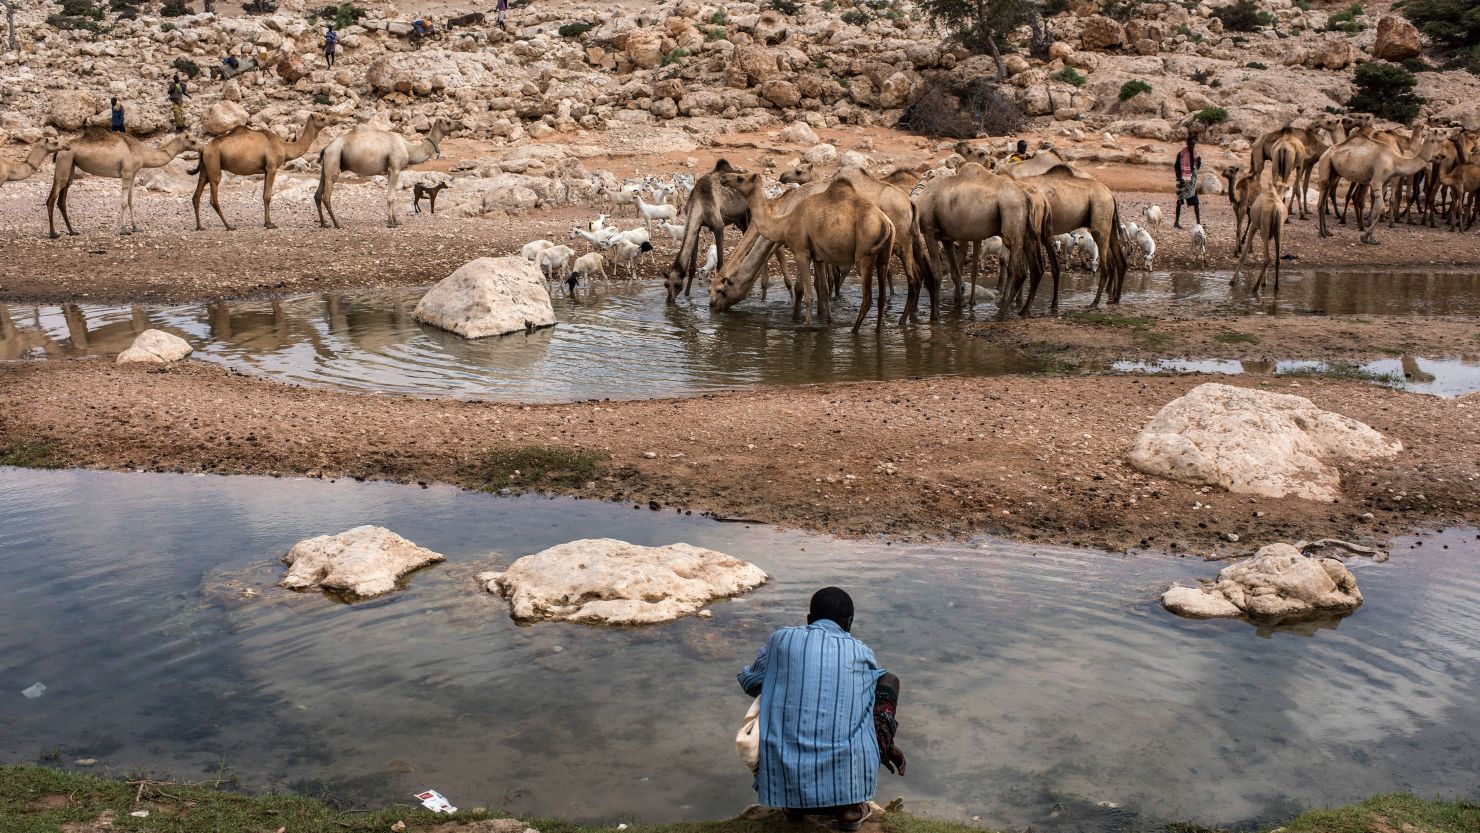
x,y
1238,196
709,206
1287,159
119,156
368,151
970,207
838,227
1267,213
1371,163
1462,178
17,171
1310,138
1079,201
803,173
729,285
908,245
247,152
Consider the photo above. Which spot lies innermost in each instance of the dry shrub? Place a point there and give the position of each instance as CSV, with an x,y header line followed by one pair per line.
x,y
959,109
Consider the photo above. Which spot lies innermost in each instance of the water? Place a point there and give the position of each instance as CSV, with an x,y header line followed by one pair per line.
x,y
1038,681
1438,377
617,343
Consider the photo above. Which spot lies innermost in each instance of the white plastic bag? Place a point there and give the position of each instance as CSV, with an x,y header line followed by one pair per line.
x,y
748,739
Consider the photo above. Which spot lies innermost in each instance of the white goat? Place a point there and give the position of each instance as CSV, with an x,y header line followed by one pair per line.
x,y
1152,215
594,238
661,211
589,265
675,231
555,260
533,248
635,236
1061,243
1141,239
623,251
711,260
1083,243
598,224
1199,242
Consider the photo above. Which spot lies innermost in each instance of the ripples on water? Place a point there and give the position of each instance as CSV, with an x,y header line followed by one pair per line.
x,y
1034,677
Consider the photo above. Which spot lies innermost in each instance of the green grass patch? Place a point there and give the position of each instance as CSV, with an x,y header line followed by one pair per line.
x,y
533,468
1236,337
1106,319
29,455
1069,75
1150,339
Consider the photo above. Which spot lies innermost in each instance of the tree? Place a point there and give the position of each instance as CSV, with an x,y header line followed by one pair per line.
x,y
979,24
10,39
1386,91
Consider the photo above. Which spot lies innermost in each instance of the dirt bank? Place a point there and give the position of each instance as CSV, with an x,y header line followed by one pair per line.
x,y
1036,458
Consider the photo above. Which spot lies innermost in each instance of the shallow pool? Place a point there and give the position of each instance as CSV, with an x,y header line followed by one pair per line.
x,y
1438,377
1041,685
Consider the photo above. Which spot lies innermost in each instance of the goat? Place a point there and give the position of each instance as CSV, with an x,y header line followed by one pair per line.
x,y
532,249
1152,215
555,260
623,251
428,191
1141,239
1082,242
661,211
589,265
674,231
1199,242
635,236
710,261
594,238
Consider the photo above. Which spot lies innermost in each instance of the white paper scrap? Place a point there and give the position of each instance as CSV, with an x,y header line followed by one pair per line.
x,y
436,802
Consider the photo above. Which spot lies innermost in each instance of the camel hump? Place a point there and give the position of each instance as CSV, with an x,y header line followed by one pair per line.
x,y
723,166
1061,169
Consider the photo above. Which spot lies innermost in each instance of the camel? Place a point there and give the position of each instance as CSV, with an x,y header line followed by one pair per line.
x,y
709,206
120,156
1078,200
803,173
1370,163
1288,155
1313,144
367,151
1238,195
731,281
1267,214
17,171
1462,178
837,227
245,152
908,246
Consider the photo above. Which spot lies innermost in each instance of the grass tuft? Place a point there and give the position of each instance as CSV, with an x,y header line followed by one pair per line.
x,y
533,468
29,455
1107,319
1236,337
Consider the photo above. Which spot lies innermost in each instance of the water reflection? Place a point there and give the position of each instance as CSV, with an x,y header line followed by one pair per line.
x,y
1438,377
1043,681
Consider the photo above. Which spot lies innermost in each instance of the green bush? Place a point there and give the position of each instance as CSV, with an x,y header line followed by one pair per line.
x,y
1122,10
1257,65
1386,91
186,67
76,14
714,34
1069,75
786,7
718,18
1453,25
1243,16
1211,115
345,14
1345,20
675,55
125,9
1303,5
574,30
1132,88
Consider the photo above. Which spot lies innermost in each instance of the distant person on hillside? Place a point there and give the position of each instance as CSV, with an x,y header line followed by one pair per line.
x,y
331,40
500,11
115,109
178,93
1188,165
826,716
232,62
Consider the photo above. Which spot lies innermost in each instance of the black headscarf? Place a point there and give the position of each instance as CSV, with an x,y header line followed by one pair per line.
x,y
832,603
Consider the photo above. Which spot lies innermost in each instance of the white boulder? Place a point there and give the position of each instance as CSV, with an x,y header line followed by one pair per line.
x,y
487,297
1279,582
798,133
1255,442
611,582
360,562
155,347
223,117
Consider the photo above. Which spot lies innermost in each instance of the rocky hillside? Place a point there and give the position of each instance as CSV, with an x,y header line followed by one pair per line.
x,y
567,67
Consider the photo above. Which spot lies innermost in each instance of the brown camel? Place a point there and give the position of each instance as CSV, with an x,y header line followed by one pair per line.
x,y
370,152
803,173
17,171
1370,163
710,206
1267,214
1238,196
838,227
247,152
1313,143
731,283
120,156
908,245
1076,201
1287,155
1462,178
970,207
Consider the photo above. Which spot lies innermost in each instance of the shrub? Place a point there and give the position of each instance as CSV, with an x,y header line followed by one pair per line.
x,y
260,7
1345,20
345,14
786,7
76,14
1069,76
574,30
1257,65
125,9
186,67
963,109
1132,88
1417,65
1243,16
1303,5
714,34
675,55
1453,25
1386,91
828,5
718,18
1211,115
174,8
322,99
1121,10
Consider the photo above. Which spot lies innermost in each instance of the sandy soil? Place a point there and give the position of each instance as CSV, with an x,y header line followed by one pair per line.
x,y
1036,458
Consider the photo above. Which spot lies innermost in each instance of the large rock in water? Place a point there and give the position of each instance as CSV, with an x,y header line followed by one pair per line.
x,y
487,297
360,562
1279,582
155,347
611,582
1254,442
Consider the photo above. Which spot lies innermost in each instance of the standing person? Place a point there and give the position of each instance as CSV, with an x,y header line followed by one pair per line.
x,y
500,11
1188,165
178,94
115,109
826,716
331,39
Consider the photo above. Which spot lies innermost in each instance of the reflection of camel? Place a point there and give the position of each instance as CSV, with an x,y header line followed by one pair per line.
x,y
1412,372
247,152
17,171
370,152
710,206
116,155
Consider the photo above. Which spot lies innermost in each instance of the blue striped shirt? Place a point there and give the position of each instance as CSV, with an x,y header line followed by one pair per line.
x,y
816,686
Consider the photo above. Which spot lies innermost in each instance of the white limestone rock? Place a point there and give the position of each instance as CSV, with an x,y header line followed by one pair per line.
x,y
1255,442
360,562
155,347
487,297
1279,582
223,117
611,582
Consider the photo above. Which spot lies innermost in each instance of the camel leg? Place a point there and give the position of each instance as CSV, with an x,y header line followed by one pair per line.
x,y
1368,235
323,196
391,178
267,181
216,203
866,277
1279,237
58,196
954,262
125,204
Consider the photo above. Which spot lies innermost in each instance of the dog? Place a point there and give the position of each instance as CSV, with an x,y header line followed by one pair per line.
x,y
430,192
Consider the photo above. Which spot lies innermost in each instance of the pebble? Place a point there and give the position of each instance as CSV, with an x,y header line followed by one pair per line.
x,y
86,762
650,455
706,614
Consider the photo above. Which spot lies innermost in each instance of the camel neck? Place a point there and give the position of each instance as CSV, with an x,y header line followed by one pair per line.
x,y
300,146
762,216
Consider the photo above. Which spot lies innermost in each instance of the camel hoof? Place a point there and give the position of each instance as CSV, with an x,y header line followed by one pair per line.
x,y
55,235
266,225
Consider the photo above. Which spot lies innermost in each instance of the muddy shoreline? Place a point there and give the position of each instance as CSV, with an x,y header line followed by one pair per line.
x,y
1036,458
